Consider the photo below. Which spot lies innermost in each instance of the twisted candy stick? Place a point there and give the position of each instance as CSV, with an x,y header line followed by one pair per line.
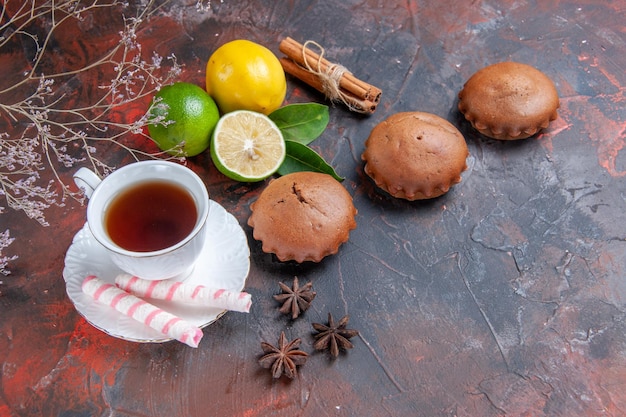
x,y
178,291
142,311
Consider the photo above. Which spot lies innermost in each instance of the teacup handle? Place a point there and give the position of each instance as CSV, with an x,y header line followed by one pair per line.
x,y
86,180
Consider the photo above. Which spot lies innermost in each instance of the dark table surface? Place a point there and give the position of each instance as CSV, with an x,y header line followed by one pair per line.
x,y
506,296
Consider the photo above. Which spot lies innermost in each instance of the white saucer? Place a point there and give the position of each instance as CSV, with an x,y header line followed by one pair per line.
x,y
224,263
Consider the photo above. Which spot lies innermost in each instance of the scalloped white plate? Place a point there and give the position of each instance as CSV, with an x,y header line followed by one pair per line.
x,y
224,263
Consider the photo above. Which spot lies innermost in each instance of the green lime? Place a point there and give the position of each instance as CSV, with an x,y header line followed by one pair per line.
x,y
189,117
247,146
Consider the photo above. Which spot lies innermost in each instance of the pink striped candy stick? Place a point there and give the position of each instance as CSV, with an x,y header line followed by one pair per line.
x,y
142,311
177,291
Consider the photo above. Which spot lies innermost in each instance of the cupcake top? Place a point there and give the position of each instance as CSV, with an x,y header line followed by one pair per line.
x,y
415,155
509,101
303,216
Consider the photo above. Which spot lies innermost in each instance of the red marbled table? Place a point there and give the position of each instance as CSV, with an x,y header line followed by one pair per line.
x,y
506,296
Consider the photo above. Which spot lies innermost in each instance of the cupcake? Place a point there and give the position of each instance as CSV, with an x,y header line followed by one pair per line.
x,y
303,216
415,155
509,101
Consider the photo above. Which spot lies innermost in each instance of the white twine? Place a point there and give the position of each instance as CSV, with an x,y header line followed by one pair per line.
x,y
330,78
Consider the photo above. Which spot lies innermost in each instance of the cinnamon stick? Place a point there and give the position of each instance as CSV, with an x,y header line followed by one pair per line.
x,y
358,104
301,60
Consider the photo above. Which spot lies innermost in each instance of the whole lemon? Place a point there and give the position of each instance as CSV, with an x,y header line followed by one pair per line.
x,y
243,75
189,116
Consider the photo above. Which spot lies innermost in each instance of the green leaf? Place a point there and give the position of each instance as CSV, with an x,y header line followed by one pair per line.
x,y
302,122
302,158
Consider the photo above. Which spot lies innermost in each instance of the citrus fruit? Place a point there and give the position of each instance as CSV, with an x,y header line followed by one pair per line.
x,y
247,146
189,117
243,75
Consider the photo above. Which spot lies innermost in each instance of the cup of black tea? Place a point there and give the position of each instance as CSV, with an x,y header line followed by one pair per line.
x,y
149,215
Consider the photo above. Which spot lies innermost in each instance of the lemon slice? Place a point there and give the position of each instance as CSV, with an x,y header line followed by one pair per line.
x,y
247,146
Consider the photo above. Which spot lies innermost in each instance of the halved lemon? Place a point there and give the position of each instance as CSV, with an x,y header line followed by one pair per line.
x,y
247,146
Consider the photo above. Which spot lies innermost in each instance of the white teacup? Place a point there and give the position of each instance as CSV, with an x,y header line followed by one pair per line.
x,y
174,260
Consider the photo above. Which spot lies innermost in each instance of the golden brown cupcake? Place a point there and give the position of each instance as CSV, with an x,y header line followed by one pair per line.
x,y
509,101
415,155
303,216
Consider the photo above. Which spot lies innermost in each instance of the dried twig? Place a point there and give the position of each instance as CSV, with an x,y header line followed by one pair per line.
x,y
43,129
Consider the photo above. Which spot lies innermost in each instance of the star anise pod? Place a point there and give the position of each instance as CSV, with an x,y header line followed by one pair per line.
x,y
333,336
296,299
283,359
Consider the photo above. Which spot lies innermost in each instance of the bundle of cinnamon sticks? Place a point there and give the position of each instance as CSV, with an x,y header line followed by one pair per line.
x,y
329,78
